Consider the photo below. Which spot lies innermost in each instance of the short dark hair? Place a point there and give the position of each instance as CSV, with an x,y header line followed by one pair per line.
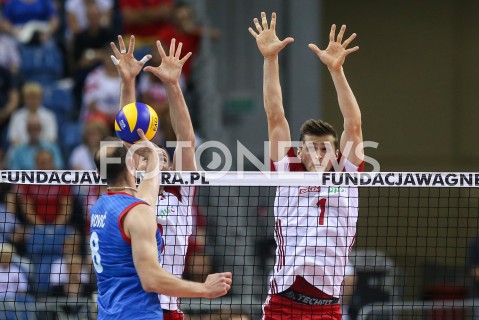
x,y
114,171
316,127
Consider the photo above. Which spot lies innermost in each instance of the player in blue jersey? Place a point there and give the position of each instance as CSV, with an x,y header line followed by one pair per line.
x,y
174,209
125,240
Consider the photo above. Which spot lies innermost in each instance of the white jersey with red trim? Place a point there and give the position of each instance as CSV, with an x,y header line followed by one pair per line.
x,y
315,228
174,217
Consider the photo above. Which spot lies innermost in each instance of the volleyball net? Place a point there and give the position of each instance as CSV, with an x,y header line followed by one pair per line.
x,y
414,255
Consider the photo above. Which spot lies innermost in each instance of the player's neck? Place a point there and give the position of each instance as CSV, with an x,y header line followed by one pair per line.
x,y
122,187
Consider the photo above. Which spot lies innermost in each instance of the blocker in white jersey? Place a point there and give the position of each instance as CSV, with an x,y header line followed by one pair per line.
x,y
315,229
174,217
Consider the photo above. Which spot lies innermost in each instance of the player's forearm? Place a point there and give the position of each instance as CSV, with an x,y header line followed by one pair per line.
x,y
273,99
179,114
346,99
165,283
127,92
148,188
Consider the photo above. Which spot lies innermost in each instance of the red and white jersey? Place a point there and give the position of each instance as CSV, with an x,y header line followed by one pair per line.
x,y
174,216
315,228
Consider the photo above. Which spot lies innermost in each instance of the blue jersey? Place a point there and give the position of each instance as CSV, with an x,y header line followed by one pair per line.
x,y
120,294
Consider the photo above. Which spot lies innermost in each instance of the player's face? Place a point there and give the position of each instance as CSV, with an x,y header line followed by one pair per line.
x,y
163,158
316,152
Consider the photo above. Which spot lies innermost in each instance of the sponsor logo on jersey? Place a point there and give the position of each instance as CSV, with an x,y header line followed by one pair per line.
x,y
303,190
334,190
164,212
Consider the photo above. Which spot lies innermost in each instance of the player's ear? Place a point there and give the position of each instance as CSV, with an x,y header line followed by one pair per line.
x,y
298,152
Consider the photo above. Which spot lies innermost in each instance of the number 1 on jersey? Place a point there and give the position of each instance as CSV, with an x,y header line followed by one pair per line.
x,y
322,209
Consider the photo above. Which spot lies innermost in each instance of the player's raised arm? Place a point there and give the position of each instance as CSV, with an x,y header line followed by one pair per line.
x,y
333,57
148,187
128,68
169,72
269,45
140,226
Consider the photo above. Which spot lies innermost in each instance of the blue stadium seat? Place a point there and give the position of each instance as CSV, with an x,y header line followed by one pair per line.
x,y
58,98
43,64
70,137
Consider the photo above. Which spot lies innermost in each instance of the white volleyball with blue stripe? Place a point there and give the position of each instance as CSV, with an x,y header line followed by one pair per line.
x,y
134,116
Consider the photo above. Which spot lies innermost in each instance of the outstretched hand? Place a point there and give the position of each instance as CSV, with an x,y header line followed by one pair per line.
x,y
126,64
335,54
169,71
268,42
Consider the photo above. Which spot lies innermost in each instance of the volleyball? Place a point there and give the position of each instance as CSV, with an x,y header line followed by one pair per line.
x,y
136,116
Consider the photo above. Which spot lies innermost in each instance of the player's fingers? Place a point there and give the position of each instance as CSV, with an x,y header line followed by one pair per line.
x,y
341,33
150,69
131,47
143,140
351,50
332,32
257,25
348,40
172,47
178,50
315,48
115,49
121,43
264,21
188,55
254,34
145,59
115,60
272,26
286,41
161,51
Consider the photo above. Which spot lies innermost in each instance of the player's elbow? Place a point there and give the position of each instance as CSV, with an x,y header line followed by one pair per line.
x,y
148,284
275,118
353,126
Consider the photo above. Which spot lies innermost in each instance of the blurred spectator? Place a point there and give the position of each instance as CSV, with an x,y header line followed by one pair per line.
x,y
82,159
87,47
13,284
32,94
69,275
82,156
8,220
77,14
9,55
9,100
27,156
185,29
46,204
100,95
31,22
143,19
